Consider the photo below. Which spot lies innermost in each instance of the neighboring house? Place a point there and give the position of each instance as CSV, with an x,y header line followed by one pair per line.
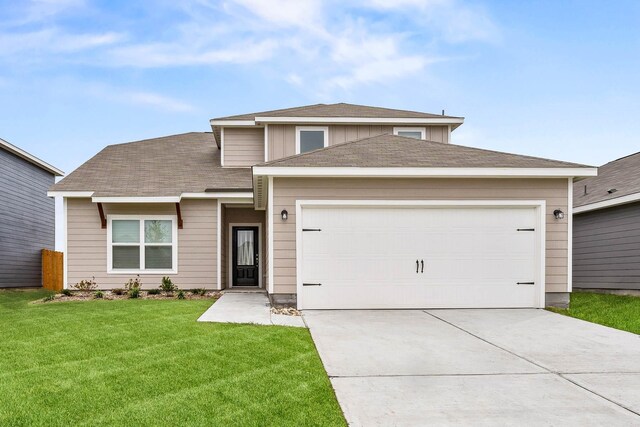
x,y
606,227
27,216
335,206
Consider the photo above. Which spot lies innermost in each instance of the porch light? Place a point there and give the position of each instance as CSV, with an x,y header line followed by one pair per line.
x,y
558,214
284,214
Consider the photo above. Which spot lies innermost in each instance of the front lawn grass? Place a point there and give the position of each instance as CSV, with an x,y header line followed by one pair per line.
x,y
148,362
616,311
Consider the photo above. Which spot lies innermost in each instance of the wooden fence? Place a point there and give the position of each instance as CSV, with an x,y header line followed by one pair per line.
x,y
52,270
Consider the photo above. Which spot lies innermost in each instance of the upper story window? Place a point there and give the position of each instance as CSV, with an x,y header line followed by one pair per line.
x,y
417,133
142,244
309,138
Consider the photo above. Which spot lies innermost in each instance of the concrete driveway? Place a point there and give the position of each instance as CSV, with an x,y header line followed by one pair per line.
x,y
477,367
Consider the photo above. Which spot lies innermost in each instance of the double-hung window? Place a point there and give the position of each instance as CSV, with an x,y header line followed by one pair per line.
x,y
417,133
309,138
142,244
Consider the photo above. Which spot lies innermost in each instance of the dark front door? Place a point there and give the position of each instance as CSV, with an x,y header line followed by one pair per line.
x,y
245,256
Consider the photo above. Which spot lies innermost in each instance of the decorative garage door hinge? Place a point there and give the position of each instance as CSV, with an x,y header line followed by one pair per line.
x,y
526,229
312,284
311,229
526,283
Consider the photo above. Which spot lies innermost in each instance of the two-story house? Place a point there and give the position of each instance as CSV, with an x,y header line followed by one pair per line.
x,y
329,206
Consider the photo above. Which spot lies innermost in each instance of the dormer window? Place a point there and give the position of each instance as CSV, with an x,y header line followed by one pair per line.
x,y
309,138
417,133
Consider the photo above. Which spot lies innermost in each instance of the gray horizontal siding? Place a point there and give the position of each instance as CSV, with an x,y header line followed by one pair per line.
x,y
606,248
26,220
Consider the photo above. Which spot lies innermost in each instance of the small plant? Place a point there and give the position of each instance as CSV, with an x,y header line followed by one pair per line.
x,y
153,291
49,298
181,295
198,291
98,294
86,285
134,293
133,283
167,285
118,291
66,292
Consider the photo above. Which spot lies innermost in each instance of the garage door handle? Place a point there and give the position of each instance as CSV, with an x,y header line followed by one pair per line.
x,y
526,283
417,266
422,269
312,284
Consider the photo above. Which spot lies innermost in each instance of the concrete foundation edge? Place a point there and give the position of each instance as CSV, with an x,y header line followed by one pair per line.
x,y
557,299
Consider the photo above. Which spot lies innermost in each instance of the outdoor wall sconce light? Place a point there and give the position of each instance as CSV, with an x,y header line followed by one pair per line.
x,y
558,214
284,214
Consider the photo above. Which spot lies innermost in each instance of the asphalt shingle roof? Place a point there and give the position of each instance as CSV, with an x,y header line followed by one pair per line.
x,y
338,110
623,175
167,166
397,151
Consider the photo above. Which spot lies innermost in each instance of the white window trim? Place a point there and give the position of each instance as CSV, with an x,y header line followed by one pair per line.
x,y
325,129
422,130
142,218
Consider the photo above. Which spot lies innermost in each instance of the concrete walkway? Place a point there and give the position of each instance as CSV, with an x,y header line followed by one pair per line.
x,y
478,367
247,307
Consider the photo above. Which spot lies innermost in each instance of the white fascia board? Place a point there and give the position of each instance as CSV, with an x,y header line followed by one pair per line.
x,y
30,158
607,203
374,120
218,195
169,199
69,194
424,172
232,122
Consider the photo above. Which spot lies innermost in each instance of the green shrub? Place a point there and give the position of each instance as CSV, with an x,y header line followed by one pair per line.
x,y
133,283
98,294
199,291
181,295
86,285
66,292
153,291
167,285
49,298
118,291
134,293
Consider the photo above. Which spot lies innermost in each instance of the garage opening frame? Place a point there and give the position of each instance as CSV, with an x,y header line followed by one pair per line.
x,y
540,210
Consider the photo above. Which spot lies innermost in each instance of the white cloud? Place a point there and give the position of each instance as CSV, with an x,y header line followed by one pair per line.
x,y
135,97
314,45
176,55
157,101
53,40
455,21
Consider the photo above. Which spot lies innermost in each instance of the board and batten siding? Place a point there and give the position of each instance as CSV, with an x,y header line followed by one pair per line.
x,y
287,190
282,138
243,146
606,248
27,223
197,243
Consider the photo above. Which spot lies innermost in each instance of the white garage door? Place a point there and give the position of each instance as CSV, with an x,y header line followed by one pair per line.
x,y
418,257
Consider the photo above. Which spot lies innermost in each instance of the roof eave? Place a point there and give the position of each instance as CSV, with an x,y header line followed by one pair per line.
x,y
258,121
30,158
419,172
603,204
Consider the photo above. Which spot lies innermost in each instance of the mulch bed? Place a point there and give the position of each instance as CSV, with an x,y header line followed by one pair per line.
x,y
108,295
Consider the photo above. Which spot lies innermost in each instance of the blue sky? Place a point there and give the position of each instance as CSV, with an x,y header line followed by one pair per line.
x,y
556,79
